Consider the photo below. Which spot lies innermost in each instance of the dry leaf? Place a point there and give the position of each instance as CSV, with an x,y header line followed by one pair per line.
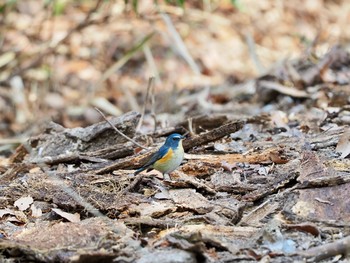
x,y
343,145
20,217
290,91
24,202
14,219
278,157
280,119
35,170
36,211
7,58
70,217
6,212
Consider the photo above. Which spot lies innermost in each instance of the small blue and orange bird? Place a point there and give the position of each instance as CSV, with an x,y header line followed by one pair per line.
x,y
168,157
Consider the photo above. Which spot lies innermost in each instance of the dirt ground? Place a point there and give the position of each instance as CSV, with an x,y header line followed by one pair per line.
x,y
90,90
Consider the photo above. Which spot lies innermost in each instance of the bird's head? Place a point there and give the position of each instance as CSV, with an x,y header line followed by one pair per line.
x,y
174,140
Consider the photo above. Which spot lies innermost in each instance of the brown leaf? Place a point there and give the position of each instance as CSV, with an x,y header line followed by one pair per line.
x,y
75,218
278,157
343,145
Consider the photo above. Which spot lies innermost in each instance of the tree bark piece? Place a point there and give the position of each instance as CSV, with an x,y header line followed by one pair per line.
x,y
61,145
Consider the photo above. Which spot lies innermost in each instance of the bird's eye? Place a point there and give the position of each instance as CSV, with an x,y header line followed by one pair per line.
x,y
176,138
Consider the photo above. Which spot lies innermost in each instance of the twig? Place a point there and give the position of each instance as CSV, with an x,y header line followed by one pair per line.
x,y
213,135
181,47
152,64
190,126
153,108
134,184
128,162
310,75
69,157
149,86
194,181
253,54
293,92
339,247
118,131
169,130
148,221
13,140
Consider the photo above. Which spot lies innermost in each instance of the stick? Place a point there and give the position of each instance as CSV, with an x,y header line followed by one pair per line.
x,y
134,184
213,135
149,86
339,247
119,132
153,111
252,52
180,45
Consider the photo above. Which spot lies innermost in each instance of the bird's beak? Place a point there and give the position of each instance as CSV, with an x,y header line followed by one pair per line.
x,y
182,137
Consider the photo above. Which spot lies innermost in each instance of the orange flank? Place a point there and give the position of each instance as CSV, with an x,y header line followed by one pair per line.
x,y
166,158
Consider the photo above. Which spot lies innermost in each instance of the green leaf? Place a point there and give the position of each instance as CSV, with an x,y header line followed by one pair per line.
x,y
7,4
181,3
238,4
135,5
176,2
59,6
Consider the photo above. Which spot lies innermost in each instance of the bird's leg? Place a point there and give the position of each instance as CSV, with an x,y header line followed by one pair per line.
x,y
168,175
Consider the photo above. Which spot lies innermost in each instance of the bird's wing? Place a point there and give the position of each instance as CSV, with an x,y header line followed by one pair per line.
x,y
158,155
155,157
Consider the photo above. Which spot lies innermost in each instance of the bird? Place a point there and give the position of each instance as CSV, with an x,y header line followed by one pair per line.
x,y
167,158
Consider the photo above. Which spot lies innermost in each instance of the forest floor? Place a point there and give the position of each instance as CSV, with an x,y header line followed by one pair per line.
x,y
261,93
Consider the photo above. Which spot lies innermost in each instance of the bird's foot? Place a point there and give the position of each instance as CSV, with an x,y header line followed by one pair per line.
x,y
167,177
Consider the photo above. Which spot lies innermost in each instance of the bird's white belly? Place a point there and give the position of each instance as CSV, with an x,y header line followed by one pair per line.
x,y
177,159
173,163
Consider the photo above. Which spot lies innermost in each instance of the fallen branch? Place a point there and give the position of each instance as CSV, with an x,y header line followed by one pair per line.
x,y
69,157
203,122
290,91
326,181
148,221
131,162
213,135
273,155
99,140
339,247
